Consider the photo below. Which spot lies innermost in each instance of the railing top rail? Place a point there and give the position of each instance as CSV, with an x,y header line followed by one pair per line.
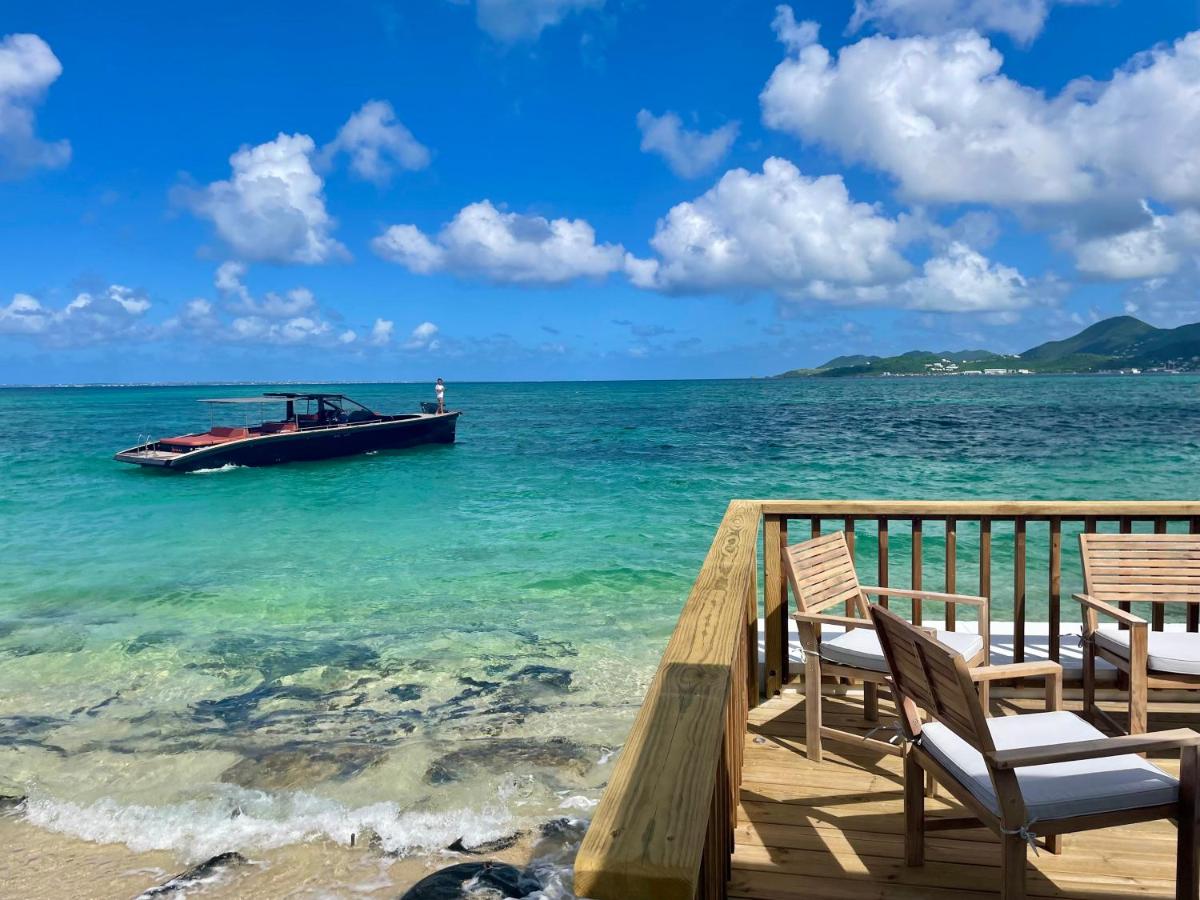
x,y
646,839
1034,509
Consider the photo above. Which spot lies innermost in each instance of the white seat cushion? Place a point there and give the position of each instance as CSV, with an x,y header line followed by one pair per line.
x,y
859,647
1169,651
1058,790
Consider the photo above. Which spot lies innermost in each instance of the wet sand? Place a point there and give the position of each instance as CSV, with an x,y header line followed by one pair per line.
x,y
37,864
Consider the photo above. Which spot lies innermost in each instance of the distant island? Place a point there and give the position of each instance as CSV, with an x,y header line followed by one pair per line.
x,y
1121,343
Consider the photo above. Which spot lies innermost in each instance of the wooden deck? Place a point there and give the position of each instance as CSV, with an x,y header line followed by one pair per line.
x,y
835,829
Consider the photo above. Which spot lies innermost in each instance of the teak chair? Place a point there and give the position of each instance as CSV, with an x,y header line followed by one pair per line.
x,y
1025,776
1159,568
821,574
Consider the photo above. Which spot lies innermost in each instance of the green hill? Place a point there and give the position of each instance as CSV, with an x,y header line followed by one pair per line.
x,y
1121,342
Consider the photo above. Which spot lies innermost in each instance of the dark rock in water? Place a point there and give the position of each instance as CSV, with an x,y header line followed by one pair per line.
x,y
487,846
467,880
407,692
506,754
558,840
195,875
11,802
544,676
299,767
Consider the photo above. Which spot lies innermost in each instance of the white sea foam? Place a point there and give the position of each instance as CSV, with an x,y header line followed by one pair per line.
x,y
250,820
228,467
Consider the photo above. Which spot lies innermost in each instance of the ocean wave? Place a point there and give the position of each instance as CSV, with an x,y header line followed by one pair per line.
x,y
244,820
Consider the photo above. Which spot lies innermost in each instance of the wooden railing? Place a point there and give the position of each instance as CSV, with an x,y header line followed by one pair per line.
x,y
1000,553
664,827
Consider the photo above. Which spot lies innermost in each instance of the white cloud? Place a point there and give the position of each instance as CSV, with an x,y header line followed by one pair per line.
x,y
377,144
1022,20
296,330
273,206
298,301
27,69
963,280
937,114
423,337
381,332
112,314
510,21
485,242
1156,248
779,230
688,153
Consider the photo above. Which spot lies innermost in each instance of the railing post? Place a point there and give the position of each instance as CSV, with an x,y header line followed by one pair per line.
x,y
751,648
917,557
1193,612
1157,610
882,577
1019,590
774,602
1054,597
951,569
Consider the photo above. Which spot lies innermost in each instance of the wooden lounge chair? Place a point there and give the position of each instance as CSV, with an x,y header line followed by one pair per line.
x,y
821,574
1027,776
1159,568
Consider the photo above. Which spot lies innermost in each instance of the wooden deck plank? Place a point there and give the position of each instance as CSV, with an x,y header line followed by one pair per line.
x,y
835,829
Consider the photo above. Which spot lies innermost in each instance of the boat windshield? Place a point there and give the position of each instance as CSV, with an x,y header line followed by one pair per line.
x,y
286,411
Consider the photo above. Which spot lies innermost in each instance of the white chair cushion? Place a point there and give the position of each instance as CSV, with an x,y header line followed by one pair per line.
x,y
1169,651
1058,790
859,647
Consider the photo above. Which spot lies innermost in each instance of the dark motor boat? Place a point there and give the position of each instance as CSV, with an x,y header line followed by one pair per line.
x,y
331,425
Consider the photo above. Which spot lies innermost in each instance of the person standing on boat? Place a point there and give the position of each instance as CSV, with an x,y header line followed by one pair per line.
x,y
440,387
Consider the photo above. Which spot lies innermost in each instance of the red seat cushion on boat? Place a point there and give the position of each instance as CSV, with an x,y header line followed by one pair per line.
x,y
231,434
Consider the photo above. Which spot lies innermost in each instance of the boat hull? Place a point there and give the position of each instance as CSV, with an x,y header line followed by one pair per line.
x,y
394,433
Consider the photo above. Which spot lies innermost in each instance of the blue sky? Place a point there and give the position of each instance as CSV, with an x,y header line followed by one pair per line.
x,y
544,189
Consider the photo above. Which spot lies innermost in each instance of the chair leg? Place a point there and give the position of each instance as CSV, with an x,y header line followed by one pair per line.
x,y
1012,867
1187,863
1089,680
812,705
1137,701
985,697
870,701
1052,843
914,812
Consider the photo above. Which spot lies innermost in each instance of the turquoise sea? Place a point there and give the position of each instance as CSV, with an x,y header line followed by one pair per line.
x,y
448,641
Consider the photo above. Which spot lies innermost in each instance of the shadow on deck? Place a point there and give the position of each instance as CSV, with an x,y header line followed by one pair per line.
x,y
835,829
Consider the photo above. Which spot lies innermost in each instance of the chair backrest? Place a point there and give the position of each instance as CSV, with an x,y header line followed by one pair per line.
x,y
1160,568
821,573
930,676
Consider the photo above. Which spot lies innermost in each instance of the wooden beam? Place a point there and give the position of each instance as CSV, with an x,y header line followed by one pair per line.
x,y
1055,588
648,836
774,606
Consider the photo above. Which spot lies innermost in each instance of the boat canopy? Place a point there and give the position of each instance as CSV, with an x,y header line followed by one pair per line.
x,y
263,399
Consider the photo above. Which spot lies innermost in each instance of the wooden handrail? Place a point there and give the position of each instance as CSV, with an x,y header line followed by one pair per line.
x,y
1002,509
664,826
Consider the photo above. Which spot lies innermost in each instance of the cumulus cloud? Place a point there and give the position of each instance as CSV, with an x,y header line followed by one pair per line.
x,y
27,69
512,21
963,280
1154,249
777,230
381,332
423,337
92,317
272,207
377,144
688,153
1022,20
937,114
503,247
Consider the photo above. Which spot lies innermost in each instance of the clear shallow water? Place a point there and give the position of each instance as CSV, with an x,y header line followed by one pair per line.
x,y
448,641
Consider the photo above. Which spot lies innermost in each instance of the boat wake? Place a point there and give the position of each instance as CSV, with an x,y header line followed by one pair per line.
x,y
228,467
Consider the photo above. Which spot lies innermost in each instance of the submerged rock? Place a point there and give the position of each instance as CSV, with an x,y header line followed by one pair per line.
x,y
506,754
406,693
300,767
195,875
474,880
11,802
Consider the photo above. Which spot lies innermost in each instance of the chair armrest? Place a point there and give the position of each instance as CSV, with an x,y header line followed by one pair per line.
x,y
1016,670
967,599
1097,749
831,619
1090,602
1048,669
